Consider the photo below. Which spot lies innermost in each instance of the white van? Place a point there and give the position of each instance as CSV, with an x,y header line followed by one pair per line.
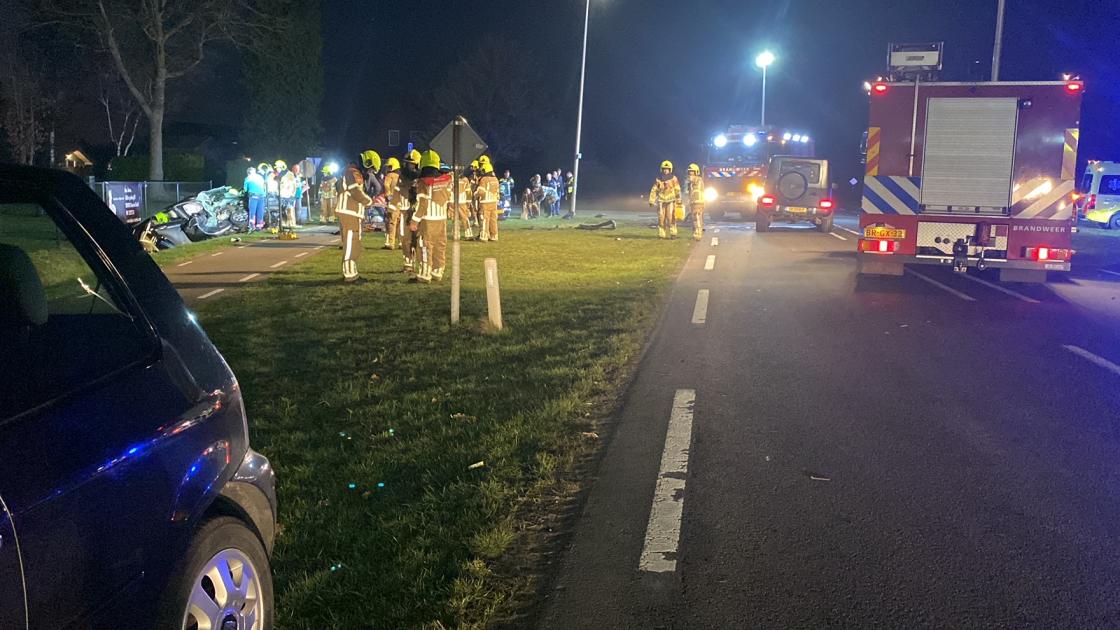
x,y
1099,194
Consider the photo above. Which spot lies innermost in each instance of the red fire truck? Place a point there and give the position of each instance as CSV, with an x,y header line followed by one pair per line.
x,y
735,170
971,175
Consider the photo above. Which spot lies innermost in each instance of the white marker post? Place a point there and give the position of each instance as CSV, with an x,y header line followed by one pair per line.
x,y
493,294
455,222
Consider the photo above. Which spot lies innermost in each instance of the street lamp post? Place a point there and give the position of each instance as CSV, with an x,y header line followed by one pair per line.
x,y
579,116
763,60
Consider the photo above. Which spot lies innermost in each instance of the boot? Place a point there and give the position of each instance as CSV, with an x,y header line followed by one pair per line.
x,y
437,274
660,232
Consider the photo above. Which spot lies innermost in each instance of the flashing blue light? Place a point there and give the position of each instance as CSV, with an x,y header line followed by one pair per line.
x,y
134,450
797,138
351,485
787,137
380,484
720,141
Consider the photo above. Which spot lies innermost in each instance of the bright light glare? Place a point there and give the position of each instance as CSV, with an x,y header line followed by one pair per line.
x,y
797,138
755,190
710,194
720,141
1042,189
333,166
804,139
750,140
866,86
764,59
788,136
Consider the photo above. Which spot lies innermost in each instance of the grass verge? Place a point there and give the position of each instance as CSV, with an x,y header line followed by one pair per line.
x,y
406,448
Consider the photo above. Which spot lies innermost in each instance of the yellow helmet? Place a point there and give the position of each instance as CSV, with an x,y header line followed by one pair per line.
x,y
370,159
667,164
485,159
414,157
474,165
487,167
393,164
281,165
694,168
429,158
264,167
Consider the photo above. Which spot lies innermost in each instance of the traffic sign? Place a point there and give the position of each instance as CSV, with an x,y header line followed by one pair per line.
x,y
471,146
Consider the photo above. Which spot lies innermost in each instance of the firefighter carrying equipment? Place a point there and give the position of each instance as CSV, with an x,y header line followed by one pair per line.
x,y
696,202
392,164
666,195
429,159
667,165
371,159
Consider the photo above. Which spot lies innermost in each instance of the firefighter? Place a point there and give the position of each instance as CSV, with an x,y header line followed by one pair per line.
x,y
328,195
392,203
286,182
666,195
351,210
466,209
406,187
472,178
371,167
696,200
486,195
429,221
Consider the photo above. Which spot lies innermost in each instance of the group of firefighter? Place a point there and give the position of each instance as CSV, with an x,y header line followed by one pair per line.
x,y
418,195
666,196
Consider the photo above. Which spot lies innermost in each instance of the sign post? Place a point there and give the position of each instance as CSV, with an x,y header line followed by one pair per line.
x,y
464,145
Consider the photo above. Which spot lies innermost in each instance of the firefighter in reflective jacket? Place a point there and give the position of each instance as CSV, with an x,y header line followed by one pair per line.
x,y
696,200
666,195
486,194
392,203
351,211
406,187
429,222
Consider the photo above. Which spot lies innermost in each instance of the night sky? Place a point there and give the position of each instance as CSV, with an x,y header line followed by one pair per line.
x,y
664,75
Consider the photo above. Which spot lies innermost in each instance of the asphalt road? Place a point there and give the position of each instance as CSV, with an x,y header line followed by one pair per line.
x,y
816,450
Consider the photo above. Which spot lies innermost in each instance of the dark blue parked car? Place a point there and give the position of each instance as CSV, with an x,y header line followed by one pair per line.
x,y
129,496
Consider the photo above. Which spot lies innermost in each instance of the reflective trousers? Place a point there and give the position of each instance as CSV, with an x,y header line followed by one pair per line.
x,y
666,219
489,229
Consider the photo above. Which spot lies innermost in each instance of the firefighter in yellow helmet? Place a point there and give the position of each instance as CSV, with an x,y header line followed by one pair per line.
x,y
429,222
406,188
328,194
666,196
486,194
351,211
696,200
392,203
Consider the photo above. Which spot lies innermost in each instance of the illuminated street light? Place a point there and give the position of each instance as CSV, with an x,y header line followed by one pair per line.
x,y
764,60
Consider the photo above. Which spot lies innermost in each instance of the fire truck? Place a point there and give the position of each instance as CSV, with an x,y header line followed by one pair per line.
x,y
737,161
971,175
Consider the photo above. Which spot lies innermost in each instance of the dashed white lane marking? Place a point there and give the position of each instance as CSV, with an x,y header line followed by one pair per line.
x,y
853,232
835,235
710,263
715,241
216,254
663,534
302,254
1004,290
963,296
700,311
249,277
184,264
1111,273
1089,356
282,262
716,231
210,294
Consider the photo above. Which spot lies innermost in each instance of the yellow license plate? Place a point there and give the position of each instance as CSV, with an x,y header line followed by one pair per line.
x,y
882,232
797,210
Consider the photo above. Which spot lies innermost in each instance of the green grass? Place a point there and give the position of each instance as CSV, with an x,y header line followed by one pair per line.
x,y
351,387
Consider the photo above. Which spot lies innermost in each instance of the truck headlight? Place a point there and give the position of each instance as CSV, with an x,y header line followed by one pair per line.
x,y
755,190
711,194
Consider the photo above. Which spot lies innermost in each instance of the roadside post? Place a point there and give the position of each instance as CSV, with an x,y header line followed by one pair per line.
x,y
493,295
464,145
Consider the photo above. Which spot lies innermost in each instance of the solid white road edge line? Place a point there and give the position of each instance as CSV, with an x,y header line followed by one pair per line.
x,y
184,264
663,533
282,262
1014,294
700,311
835,235
210,294
710,263
1092,358
715,241
964,296
249,277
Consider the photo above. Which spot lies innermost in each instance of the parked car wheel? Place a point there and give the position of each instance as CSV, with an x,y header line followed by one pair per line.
x,y
762,222
1114,222
224,579
826,224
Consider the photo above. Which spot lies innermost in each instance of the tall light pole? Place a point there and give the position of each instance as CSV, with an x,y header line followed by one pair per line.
x,y
999,41
763,60
579,116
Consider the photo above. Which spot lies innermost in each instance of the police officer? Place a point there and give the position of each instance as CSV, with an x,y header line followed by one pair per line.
x,y
696,200
351,210
666,196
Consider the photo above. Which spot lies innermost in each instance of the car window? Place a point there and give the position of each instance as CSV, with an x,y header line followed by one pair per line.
x,y
1110,185
811,170
62,323
1087,183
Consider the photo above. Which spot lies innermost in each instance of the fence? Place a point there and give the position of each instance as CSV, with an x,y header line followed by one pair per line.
x,y
136,201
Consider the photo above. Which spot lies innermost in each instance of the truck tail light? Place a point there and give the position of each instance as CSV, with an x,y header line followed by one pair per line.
x,y
1075,87
879,87
1043,253
826,204
768,200
878,246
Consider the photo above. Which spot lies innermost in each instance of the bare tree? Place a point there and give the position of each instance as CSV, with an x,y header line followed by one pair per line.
x,y
122,108
153,43
24,105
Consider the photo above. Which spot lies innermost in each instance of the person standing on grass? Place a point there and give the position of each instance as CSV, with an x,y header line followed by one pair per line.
x,y
433,194
328,195
410,172
505,191
301,212
569,192
255,189
392,202
351,211
287,187
486,194
666,195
